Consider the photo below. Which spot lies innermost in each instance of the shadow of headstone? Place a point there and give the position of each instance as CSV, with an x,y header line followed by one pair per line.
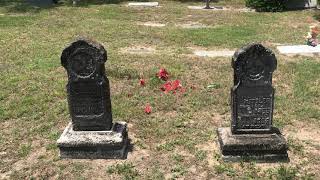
x,y
41,3
301,4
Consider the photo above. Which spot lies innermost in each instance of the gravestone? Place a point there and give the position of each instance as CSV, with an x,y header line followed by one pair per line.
x,y
252,102
92,134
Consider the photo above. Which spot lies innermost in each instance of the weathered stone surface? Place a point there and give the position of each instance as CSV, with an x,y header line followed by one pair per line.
x,y
88,87
252,95
252,136
91,135
94,144
260,147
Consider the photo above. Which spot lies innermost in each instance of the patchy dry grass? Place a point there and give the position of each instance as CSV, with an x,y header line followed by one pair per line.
x,y
178,139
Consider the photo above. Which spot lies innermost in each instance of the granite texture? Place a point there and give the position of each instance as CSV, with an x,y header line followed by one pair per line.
x,y
259,147
252,95
110,144
88,86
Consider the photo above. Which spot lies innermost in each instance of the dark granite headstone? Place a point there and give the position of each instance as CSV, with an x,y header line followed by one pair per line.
x,y
88,87
91,135
252,94
252,101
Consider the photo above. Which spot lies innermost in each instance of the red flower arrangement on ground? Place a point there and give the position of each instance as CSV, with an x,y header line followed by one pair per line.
x,y
142,82
147,109
172,86
163,74
168,87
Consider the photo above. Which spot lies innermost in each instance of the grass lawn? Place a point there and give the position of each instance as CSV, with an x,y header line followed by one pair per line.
x,y
178,139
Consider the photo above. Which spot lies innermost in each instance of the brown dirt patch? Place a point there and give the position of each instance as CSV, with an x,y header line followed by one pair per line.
x,y
139,49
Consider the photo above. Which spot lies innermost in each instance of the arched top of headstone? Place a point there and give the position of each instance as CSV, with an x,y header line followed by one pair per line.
x,y
84,58
254,65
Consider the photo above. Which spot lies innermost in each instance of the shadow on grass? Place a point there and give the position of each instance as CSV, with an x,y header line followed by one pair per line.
x,y
23,6
35,6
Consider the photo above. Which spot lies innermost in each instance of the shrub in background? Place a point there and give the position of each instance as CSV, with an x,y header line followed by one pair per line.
x,y
266,5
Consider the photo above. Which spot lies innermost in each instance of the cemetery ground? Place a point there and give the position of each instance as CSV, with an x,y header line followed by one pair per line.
x,y
177,140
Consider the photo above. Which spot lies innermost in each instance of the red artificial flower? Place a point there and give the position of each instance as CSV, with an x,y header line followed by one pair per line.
x,y
163,74
166,87
172,86
142,82
147,109
176,84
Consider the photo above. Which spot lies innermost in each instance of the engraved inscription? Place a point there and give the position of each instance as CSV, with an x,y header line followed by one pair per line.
x,y
87,99
254,112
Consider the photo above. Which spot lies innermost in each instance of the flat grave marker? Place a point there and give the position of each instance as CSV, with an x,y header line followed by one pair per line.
x,y
143,4
299,50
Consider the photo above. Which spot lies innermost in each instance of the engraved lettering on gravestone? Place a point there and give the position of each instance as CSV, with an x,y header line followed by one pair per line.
x,y
252,94
88,87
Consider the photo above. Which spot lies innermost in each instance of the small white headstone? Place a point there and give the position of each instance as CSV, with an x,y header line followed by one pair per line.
x,y
144,4
298,50
221,53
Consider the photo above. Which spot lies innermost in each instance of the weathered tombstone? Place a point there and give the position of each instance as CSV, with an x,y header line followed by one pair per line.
x,y
252,101
91,134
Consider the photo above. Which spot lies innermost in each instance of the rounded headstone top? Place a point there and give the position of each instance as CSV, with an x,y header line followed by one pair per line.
x,y
254,62
83,57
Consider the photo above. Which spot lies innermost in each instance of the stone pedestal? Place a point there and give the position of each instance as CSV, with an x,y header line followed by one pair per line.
x,y
110,144
260,147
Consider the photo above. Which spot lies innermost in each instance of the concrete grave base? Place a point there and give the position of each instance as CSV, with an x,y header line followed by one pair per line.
x,y
94,144
257,147
299,50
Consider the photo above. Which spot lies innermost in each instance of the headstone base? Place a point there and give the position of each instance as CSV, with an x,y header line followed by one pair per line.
x,y
257,147
94,144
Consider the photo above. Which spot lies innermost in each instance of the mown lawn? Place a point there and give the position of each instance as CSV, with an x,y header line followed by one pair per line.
x,y
178,139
